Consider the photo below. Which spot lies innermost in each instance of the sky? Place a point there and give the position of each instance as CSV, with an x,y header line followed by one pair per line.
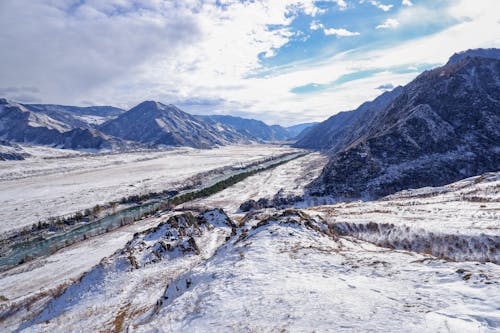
x,y
283,62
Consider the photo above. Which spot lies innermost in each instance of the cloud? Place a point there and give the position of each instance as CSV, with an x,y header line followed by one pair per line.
x,y
384,87
340,32
315,25
388,24
225,56
381,6
407,3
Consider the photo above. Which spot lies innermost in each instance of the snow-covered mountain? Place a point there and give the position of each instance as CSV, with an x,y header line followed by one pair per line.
x,y
251,128
441,127
340,130
21,125
298,131
154,123
258,130
76,116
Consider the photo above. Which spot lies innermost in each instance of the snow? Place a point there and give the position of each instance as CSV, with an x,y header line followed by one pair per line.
x,y
38,188
132,279
287,277
331,268
43,277
460,221
289,178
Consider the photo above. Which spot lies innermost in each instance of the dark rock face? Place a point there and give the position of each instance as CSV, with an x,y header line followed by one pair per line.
x,y
159,124
442,127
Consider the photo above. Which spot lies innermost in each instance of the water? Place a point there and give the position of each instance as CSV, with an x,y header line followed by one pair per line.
x,y
47,245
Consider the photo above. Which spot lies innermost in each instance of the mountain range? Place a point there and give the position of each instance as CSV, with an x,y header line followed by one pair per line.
x,y
149,124
441,127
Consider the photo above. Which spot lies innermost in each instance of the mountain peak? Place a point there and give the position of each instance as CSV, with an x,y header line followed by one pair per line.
x,y
155,106
492,53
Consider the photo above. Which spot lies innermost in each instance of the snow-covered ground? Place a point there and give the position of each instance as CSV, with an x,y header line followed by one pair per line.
x,y
287,277
130,281
279,272
418,261
289,178
460,221
38,188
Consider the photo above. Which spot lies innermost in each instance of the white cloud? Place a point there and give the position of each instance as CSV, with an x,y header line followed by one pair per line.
x,y
315,25
340,32
381,6
407,3
388,24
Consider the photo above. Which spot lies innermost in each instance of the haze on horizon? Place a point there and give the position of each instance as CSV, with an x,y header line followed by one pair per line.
x,y
281,62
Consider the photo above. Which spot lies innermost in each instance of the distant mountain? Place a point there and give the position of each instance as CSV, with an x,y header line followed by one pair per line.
x,y
342,129
19,124
251,128
76,116
299,130
154,123
441,127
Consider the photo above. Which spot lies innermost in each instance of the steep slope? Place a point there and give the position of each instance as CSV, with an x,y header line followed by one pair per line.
x,y
155,124
340,130
251,128
442,127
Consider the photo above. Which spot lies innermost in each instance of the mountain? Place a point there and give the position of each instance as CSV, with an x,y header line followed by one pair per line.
x,y
154,123
441,127
340,130
299,130
483,53
251,128
19,124
76,116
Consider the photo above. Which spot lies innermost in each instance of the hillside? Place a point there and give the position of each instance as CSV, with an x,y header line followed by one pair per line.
x,y
442,127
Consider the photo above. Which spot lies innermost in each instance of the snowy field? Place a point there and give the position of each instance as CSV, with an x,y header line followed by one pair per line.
x,y
41,187
289,178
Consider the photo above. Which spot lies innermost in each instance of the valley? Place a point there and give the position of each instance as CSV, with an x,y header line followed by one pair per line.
x,y
384,218
235,264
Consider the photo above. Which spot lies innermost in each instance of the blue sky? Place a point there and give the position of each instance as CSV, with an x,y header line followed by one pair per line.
x,y
279,61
